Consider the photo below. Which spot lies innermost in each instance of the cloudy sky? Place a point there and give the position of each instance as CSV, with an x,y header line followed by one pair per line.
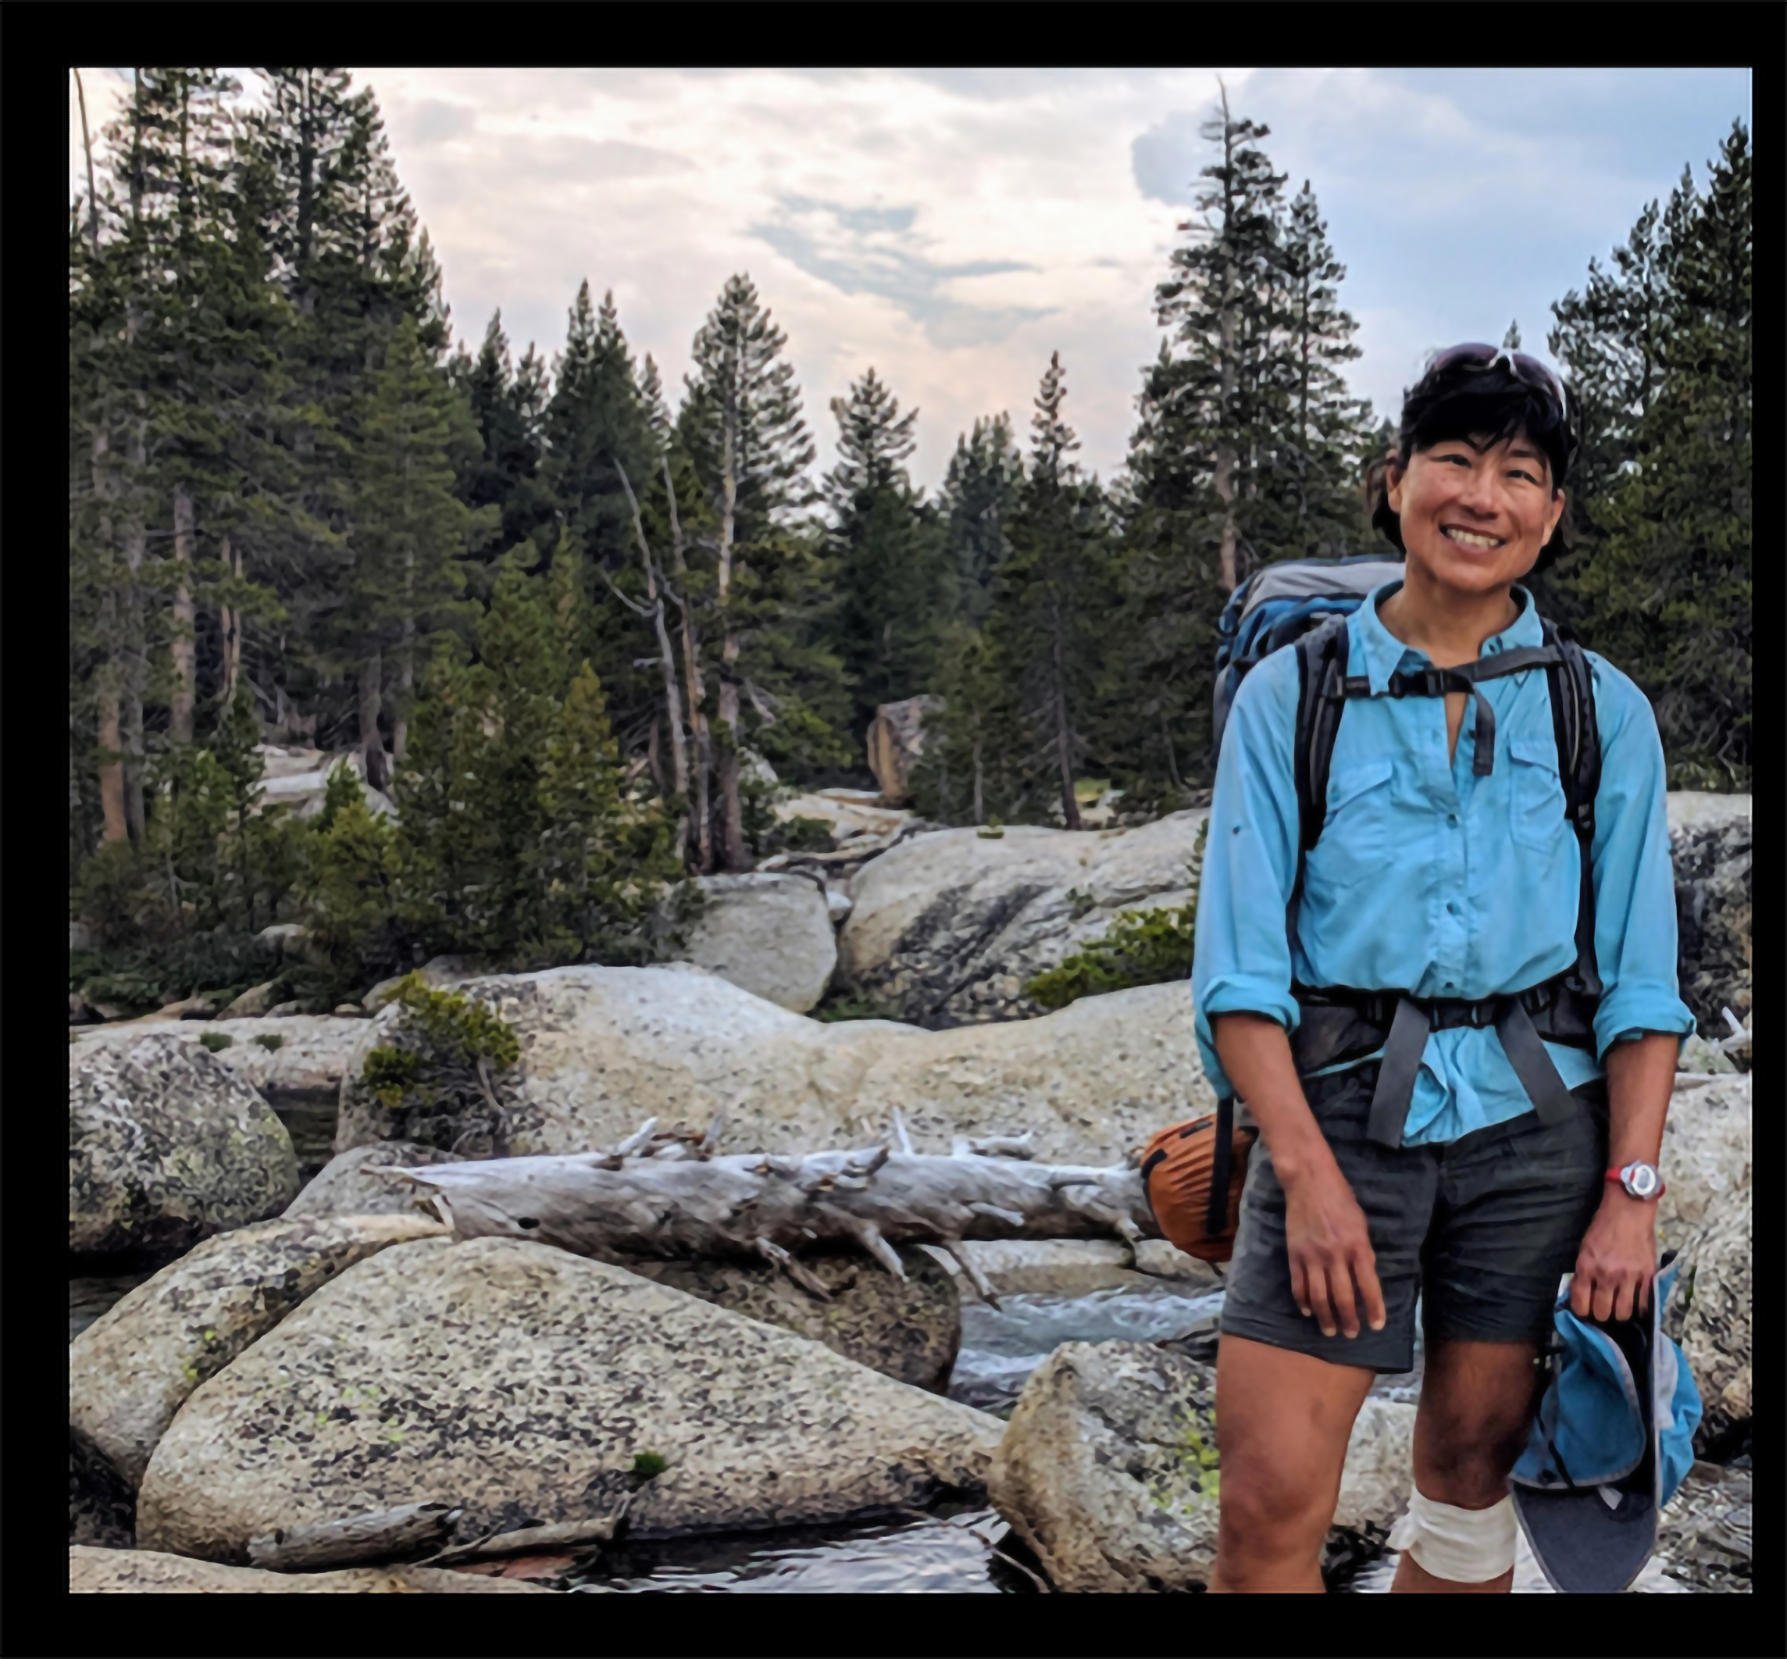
x,y
953,227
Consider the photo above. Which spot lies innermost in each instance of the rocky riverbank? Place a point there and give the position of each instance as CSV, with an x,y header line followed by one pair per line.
x,y
301,1346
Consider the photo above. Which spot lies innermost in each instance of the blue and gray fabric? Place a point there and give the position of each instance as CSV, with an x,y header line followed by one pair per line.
x,y
1613,1439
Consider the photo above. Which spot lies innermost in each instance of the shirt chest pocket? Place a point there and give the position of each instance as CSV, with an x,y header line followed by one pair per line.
x,y
1536,794
1356,840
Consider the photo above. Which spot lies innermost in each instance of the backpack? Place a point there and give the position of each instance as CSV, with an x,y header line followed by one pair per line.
x,y
1276,606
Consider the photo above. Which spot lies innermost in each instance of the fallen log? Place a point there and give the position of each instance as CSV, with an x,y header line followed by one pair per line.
x,y
382,1535
563,1535
692,1204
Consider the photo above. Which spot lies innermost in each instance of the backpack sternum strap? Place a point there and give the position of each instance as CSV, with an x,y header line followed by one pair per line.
x,y
1466,677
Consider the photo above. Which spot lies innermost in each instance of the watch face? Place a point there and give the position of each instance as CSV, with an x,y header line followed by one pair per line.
x,y
1641,1180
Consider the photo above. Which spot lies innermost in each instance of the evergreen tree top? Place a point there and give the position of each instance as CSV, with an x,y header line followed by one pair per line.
x,y
874,442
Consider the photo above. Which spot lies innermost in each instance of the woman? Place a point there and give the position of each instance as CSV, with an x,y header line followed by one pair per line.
x,y
1449,873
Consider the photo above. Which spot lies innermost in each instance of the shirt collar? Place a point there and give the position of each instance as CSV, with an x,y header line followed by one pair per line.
x,y
1383,654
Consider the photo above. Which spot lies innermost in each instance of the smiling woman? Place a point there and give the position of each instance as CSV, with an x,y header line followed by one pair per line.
x,y
1470,1014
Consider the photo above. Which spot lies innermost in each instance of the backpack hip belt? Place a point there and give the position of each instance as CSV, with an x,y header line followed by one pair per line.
x,y
1339,1023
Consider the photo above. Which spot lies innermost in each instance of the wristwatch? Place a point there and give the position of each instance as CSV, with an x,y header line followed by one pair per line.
x,y
1640,1180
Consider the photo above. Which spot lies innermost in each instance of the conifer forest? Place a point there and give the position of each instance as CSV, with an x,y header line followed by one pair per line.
x,y
581,625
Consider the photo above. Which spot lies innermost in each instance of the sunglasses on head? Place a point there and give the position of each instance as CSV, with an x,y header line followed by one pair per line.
x,y
1528,370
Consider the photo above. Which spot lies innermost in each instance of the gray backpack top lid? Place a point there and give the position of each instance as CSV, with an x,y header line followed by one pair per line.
x,y
1300,580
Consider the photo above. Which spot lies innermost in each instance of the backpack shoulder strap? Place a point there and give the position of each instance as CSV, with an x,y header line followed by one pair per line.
x,y
1321,681
1571,683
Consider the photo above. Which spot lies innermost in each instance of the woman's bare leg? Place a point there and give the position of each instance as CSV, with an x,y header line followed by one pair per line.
x,y
1283,1420
1476,1408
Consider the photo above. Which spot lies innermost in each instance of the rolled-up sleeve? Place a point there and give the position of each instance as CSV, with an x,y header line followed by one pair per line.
x,y
1242,961
1634,874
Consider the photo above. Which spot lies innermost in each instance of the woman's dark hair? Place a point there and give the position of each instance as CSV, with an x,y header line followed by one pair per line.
x,y
1469,400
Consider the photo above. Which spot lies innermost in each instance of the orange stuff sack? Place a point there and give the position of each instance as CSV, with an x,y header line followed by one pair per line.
x,y
1179,1175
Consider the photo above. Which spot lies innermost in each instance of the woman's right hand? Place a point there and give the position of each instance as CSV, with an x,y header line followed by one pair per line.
x,y
1330,1251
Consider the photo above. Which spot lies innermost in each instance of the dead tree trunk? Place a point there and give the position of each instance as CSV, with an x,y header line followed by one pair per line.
x,y
372,746
733,855
230,624
613,1205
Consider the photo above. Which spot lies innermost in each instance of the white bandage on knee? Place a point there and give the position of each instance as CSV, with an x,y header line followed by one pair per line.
x,y
1462,1546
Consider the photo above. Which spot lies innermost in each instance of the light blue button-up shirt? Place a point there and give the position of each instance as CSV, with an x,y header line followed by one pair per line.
x,y
1431,880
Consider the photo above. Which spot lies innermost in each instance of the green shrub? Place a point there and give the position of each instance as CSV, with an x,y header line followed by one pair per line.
x,y
217,1041
446,1072
270,1043
649,1465
1141,947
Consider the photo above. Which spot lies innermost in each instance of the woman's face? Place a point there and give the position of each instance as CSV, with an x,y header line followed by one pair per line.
x,y
1475,515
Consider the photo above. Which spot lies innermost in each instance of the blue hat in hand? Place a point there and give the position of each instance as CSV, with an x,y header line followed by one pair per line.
x,y
1612,1441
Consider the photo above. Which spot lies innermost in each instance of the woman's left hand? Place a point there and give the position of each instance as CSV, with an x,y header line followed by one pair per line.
x,y
1617,1261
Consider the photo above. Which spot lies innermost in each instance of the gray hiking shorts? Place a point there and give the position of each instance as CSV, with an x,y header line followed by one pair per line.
x,y
1480,1230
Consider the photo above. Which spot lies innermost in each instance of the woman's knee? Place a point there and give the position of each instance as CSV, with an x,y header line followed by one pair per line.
x,y
1272,1511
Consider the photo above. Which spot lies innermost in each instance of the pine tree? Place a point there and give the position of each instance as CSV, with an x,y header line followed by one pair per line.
x,y
410,535
747,441
1322,451
888,555
978,498
507,406
1511,340
1223,304
1665,593
1051,599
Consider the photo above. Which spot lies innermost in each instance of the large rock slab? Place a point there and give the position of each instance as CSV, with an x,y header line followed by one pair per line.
x,y
603,1048
346,1186
769,934
908,1329
166,1146
1109,1469
134,1572
1712,906
1706,1155
947,927
522,1382
133,1368
300,1058
1716,1319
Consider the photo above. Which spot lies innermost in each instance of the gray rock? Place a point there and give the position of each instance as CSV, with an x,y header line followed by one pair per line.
x,y
1698,1055
78,1011
306,1067
1109,1469
769,934
133,1368
604,1048
288,936
1706,1154
166,1146
80,936
1712,903
895,742
948,927
1079,1267
138,1572
345,1187
1716,1319
524,1382
253,1004
906,1329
